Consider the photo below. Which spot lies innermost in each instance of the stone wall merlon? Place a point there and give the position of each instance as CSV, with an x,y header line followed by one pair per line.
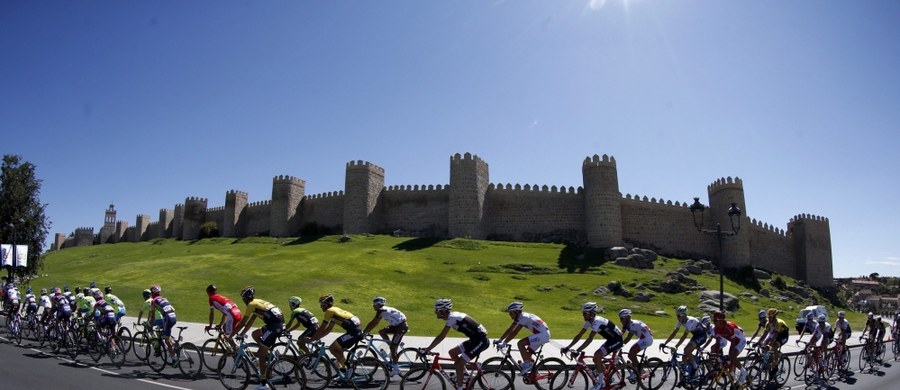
x,y
236,192
416,187
211,209
259,203
535,188
661,201
365,165
599,161
196,199
809,216
326,195
723,183
287,179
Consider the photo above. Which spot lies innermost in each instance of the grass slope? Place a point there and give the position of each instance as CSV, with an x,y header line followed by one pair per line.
x,y
480,276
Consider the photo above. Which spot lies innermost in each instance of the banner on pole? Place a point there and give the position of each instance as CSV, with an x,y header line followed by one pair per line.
x,y
6,252
21,255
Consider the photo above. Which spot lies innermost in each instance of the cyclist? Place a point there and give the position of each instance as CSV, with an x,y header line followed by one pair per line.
x,y
698,336
117,303
645,338
61,307
104,313
69,297
894,327
466,351
880,327
821,337
606,328
161,305
46,304
303,317
728,330
12,298
776,335
396,326
763,321
843,326
86,305
809,326
231,313
78,297
30,302
152,318
348,321
265,336
540,334
871,328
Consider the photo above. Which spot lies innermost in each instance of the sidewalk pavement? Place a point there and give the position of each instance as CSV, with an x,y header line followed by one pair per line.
x,y
195,334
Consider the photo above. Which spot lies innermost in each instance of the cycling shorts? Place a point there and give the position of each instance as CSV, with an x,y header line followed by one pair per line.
x,y
398,331
167,324
698,340
349,339
610,346
536,340
271,331
471,348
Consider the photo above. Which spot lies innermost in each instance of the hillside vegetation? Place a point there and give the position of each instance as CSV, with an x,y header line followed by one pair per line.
x,y
481,277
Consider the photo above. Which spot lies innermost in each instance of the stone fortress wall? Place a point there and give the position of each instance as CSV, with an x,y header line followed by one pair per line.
x,y
595,214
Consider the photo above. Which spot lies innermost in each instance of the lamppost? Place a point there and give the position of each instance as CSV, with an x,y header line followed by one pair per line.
x,y
11,228
734,213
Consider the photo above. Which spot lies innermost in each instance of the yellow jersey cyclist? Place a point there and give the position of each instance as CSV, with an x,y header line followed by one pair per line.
x,y
469,350
538,336
698,333
396,326
301,316
761,326
267,335
117,303
776,335
152,318
604,327
348,321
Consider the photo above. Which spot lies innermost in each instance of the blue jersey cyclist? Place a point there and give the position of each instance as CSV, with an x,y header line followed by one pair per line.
x,y
161,305
469,350
103,313
31,305
693,326
539,333
605,328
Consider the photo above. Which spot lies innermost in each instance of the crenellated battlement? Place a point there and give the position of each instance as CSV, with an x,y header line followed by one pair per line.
x,y
535,188
598,161
195,199
725,183
85,229
259,203
416,187
236,193
287,179
364,165
809,217
767,227
660,201
465,158
324,195
214,209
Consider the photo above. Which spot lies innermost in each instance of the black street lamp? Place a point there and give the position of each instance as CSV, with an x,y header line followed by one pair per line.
x,y
734,213
11,228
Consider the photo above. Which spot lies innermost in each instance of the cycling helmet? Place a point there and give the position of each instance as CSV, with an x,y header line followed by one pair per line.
x,y
28,290
718,315
841,314
93,284
57,291
821,318
681,310
809,316
704,321
870,315
443,304
515,306
146,293
98,295
624,313
43,291
155,289
107,289
211,289
77,290
379,301
248,293
773,312
326,299
294,301
66,289
589,307
762,314
878,318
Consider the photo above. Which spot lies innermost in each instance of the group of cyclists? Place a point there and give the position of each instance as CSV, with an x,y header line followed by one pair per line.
x,y
106,309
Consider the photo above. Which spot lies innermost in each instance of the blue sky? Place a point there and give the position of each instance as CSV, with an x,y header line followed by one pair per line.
x,y
145,103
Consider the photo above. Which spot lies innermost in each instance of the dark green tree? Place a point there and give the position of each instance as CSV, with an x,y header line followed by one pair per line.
x,y
22,218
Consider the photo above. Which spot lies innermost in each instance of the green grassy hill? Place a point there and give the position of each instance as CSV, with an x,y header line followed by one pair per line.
x,y
480,276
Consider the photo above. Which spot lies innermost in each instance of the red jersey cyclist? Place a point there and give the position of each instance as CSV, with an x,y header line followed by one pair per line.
x,y
540,334
730,331
231,313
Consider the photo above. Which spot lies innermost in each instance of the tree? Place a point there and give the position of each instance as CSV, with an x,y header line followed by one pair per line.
x,y
22,218
874,276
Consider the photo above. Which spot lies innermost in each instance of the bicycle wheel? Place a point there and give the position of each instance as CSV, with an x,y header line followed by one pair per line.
x,y
881,350
318,371
651,374
189,360
234,373
491,380
577,380
370,373
139,346
410,358
69,347
16,330
781,372
544,372
284,350
421,378
285,373
799,364
95,348
211,351
500,364
115,351
157,355
863,358
895,348
718,379
124,335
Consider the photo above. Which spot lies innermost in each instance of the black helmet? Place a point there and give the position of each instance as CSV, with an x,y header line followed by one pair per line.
x,y
211,289
327,299
248,293
107,289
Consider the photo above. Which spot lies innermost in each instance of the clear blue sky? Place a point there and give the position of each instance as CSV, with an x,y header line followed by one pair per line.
x,y
145,103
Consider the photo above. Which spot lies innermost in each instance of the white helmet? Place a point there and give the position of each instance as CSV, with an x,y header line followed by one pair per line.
x,y
589,306
624,313
443,304
821,318
379,301
515,306
681,310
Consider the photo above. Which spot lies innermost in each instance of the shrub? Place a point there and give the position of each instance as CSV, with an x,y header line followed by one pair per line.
x,y
209,230
778,283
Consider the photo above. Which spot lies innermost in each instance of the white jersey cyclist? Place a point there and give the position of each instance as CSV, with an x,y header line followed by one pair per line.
x,y
466,325
45,302
392,315
642,331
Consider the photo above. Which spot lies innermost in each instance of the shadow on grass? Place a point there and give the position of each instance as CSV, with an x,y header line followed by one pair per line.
x,y
576,258
417,243
305,240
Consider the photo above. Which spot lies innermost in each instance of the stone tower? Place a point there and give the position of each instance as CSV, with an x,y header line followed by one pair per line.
x,y
810,236
363,184
108,231
84,236
287,192
235,203
178,222
166,217
722,193
194,216
602,202
469,177
140,227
